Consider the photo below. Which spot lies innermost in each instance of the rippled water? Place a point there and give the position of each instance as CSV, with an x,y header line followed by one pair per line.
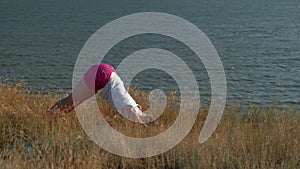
x,y
258,43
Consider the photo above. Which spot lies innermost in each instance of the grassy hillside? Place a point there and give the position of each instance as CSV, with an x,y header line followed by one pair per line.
x,y
261,138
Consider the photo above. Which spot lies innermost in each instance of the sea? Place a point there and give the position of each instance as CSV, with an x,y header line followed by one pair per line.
x,y
258,43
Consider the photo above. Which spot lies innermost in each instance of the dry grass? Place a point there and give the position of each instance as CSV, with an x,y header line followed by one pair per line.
x,y
263,138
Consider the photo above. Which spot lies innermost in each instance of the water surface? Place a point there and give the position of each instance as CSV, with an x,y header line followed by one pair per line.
x,y
258,43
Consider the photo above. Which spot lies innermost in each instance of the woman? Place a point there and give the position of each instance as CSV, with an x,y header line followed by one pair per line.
x,y
112,89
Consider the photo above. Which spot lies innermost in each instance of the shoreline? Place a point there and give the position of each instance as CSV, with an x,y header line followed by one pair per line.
x,y
21,85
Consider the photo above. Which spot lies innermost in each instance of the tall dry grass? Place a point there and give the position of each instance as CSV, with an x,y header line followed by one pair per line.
x,y
261,138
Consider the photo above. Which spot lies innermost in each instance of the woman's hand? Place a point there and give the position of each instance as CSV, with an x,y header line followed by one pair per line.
x,y
60,108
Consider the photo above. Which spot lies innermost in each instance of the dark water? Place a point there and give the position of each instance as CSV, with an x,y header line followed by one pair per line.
x,y
258,43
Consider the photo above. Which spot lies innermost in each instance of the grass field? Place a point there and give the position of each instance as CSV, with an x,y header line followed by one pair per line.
x,y
260,138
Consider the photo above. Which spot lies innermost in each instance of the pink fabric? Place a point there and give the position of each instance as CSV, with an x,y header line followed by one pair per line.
x,y
97,76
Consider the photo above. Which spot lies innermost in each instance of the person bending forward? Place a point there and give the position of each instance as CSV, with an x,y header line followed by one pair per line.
x,y
110,86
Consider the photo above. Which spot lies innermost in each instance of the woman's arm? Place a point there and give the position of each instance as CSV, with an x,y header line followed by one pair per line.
x,y
80,93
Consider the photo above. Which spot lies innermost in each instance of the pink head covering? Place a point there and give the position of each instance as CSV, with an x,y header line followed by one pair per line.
x,y
97,76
